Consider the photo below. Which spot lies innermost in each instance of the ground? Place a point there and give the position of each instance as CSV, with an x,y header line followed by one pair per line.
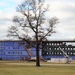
x,y
29,68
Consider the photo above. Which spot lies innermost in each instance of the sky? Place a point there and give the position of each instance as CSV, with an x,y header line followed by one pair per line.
x,y
64,10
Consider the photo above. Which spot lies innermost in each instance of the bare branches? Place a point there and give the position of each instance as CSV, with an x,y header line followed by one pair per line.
x,y
33,19
33,23
50,29
13,31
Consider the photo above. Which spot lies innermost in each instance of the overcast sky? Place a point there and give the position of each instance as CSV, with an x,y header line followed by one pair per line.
x,y
64,10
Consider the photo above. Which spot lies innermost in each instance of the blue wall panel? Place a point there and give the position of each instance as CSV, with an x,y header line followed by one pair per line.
x,y
14,50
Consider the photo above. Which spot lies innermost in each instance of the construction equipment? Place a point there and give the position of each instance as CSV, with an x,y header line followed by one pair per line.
x,y
65,54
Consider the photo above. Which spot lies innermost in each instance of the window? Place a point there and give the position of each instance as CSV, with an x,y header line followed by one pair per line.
x,y
18,53
21,52
15,47
57,52
55,44
49,48
60,53
57,48
73,48
47,53
68,48
49,43
8,47
65,48
68,52
71,53
8,52
13,52
74,53
3,43
60,43
15,43
52,43
50,53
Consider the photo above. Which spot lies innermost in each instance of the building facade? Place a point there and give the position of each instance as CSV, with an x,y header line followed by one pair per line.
x,y
51,49
14,50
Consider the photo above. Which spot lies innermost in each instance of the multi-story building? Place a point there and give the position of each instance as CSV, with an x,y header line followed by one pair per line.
x,y
17,49
58,49
14,50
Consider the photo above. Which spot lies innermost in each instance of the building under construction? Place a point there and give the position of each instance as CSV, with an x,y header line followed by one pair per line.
x,y
58,50
48,50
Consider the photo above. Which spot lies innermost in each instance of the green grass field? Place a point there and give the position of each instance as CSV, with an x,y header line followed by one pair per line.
x,y
29,68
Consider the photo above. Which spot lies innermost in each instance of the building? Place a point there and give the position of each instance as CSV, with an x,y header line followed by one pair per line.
x,y
52,49
17,50
14,50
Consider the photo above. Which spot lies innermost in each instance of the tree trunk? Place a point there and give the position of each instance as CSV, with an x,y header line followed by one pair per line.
x,y
37,49
37,55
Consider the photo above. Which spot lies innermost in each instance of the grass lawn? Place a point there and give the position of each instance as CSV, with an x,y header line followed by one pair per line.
x,y
8,68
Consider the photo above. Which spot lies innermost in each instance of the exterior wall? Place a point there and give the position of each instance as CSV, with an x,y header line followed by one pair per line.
x,y
51,49
14,50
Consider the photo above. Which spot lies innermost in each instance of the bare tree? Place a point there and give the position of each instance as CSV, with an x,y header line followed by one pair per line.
x,y
33,23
